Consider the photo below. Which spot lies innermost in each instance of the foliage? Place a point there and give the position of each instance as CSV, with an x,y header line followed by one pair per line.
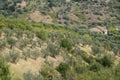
x,y
106,61
66,43
13,56
63,68
42,35
30,76
35,54
95,67
117,71
97,50
4,70
53,49
80,69
22,43
49,73
87,38
11,42
2,44
78,63
26,53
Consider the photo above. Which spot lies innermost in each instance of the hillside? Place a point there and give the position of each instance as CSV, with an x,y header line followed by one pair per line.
x,y
77,13
59,40
39,51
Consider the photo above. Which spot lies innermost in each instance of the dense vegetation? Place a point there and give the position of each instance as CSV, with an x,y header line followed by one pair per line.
x,y
61,40
87,13
67,47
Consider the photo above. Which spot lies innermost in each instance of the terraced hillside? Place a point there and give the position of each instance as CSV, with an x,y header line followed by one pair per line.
x,y
77,13
40,51
59,39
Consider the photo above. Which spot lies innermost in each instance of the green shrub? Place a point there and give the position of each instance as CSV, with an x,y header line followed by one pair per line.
x,y
13,56
54,50
32,76
117,71
29,34
46,53
97,50
19,33
42,35
116,50
4,70
33,43
80,69
106,61
8,32
66,43
23,43
29,76
35,54
11,42
63,68
49,73
2,44
78,51
95,67
26,53
87,38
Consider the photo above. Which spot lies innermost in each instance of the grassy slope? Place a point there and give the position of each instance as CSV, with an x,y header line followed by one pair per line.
x,y
74,13
81,40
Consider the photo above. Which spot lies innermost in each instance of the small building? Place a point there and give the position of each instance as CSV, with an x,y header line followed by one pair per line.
x,y
99,29
117,28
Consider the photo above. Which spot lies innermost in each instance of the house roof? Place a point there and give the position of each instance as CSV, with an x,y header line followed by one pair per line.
x,y
98,29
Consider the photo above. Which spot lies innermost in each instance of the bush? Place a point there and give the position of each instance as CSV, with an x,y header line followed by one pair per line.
x,y
95,67
49,73
23,43
78,51
80,69
29,34
19,33
26,53
97,50
87,38
106,61
8,32
66,43
42,35
2,44
54,50
117,71
116,50
35,54
11,42
28,76
63,68
4,70
13,56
